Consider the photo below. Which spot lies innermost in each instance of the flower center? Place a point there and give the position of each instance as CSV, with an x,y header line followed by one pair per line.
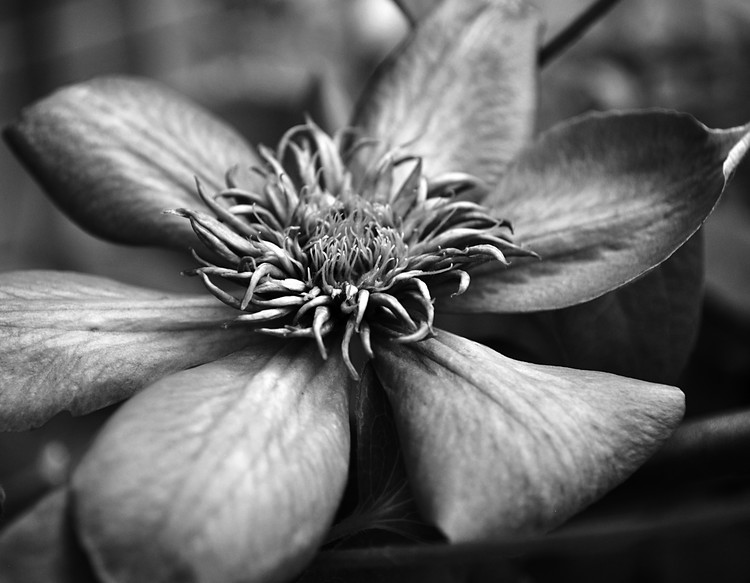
x,y
320,247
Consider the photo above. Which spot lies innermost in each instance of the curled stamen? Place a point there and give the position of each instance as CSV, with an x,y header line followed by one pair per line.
x,y
223,213
322,248
395,307
262,271
345,342
262,316
362,299
421,333
424,299
313,303
281,301
463,282
321,317
364,336
225,297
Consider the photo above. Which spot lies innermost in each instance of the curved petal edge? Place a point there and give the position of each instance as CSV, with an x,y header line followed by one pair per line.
x,y
75,342
115,152
231,471
496,447
603,199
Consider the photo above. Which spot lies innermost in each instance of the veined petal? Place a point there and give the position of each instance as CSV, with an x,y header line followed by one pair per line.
x,y
115,152
495,447
461,93
231,471
77,342
602,200
40,546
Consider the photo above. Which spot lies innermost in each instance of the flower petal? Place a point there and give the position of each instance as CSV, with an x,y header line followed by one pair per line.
x,y
645,329
231,471
495,446
77,342
40,547
461,93
602,200
115,152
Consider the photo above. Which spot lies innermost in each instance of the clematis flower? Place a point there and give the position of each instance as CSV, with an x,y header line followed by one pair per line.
x,y
332,253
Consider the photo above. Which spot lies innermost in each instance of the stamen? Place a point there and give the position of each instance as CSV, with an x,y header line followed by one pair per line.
x,y
320,319
364,337
333,250
224,214
463,282
313,303
395,307
262,315
362,300
345,342
228,299
262,271
423,332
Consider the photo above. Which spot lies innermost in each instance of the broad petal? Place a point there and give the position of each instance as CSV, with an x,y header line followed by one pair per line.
x,y
40,546
115,152
231,471
495,447
77,342
602,200
461,93
645,329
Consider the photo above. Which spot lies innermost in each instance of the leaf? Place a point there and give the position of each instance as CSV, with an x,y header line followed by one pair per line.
x,y
231,471
40,546
115,152
461,92
495,447
603,199
78,342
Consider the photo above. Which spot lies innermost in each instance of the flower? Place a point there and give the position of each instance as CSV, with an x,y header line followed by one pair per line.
x,y
231,455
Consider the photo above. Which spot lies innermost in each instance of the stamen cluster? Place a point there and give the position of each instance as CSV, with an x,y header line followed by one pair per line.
x,y
325,248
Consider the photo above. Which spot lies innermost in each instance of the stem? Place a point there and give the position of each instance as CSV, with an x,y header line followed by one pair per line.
x,y
574,30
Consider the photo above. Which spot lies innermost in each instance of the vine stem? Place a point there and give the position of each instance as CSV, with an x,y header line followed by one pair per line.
x,y
574,30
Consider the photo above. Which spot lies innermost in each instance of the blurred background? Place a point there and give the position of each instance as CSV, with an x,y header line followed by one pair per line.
x,y
263,64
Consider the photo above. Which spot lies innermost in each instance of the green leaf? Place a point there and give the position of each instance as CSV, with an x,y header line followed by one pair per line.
x,y
461,92
78,343
231,471
115,152
603,199
496,447
40,546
